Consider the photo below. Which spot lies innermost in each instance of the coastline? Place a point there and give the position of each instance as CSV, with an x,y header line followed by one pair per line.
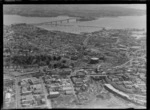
x,y
80,18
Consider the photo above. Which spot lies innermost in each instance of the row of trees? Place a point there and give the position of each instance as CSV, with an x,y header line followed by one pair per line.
x,y
41,60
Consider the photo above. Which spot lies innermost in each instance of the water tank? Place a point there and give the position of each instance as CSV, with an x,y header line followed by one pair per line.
x,y
94,60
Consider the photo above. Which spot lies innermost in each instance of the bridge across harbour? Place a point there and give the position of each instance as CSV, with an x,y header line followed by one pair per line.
x,y
57,22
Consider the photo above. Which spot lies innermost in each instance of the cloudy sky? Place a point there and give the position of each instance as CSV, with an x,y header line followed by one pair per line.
x,y
136,6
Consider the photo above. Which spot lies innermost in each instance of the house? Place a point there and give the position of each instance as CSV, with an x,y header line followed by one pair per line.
x,y
142,70
66,84
55,85
125,77
66,88
8,96
128,86
129,70
53,94
121,79
23,83
139,81
115,79
142,75
69,92
37,88
81,73
119,82
56,89
142,86
127,82
65,80
140,97
27,103
79,82
77,89
142,102
35,80
26,90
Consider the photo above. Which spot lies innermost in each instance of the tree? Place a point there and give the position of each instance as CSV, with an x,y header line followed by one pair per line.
x,y
64,61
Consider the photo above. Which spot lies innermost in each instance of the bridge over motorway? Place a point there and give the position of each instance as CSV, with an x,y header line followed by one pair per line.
x,y
57,22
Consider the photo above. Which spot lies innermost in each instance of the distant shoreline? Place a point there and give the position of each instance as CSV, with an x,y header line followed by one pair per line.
x,y
80,18
115,22
84,12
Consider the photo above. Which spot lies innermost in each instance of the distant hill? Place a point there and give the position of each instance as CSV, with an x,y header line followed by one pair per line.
x,y
87,12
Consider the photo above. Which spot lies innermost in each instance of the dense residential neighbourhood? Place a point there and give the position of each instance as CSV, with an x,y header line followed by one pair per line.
x,y
55,69
43,79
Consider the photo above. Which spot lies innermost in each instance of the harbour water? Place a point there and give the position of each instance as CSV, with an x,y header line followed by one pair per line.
x,y
122,22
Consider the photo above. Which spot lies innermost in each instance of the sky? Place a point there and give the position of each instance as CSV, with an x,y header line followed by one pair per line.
x,y
135,6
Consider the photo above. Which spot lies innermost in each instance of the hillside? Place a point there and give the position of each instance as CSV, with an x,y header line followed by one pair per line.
x,y
33,45
25,36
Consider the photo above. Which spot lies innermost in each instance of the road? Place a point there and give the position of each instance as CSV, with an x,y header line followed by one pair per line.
x,y
142,57
48,101
17,93
85,42
73,89
43,85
